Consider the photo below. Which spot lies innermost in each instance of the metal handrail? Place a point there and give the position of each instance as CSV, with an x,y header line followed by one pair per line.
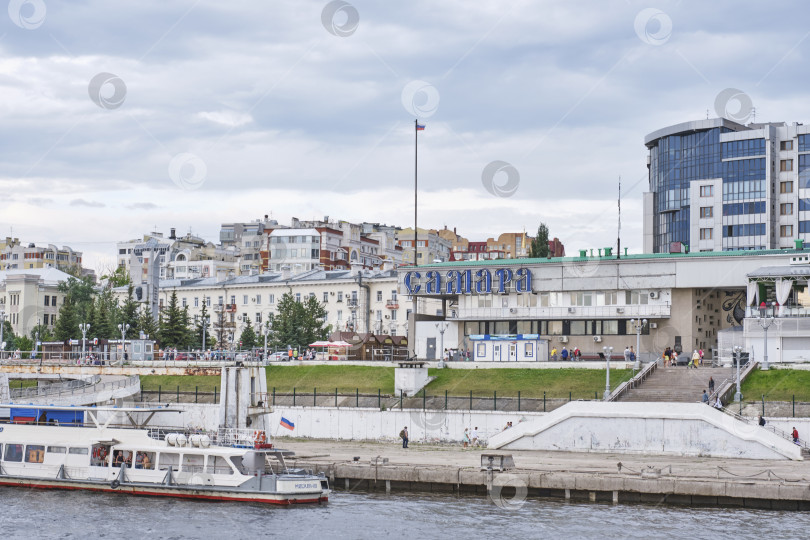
x,y
110,385
639,378
776,431
55,389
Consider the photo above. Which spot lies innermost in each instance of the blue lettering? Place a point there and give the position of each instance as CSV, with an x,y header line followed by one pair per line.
x,y
412,288
504,276
467,282
434,284
483,282
524,281
453,282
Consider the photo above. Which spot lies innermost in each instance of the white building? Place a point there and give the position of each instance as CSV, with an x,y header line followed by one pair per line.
x,y
31,297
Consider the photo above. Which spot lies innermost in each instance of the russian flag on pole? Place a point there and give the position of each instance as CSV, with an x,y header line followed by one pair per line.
x,y
287,424
420,127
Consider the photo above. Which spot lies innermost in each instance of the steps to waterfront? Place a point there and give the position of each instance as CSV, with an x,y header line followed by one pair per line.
x,y
679,385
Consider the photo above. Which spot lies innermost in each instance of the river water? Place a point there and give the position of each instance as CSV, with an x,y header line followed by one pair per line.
x,y
26,513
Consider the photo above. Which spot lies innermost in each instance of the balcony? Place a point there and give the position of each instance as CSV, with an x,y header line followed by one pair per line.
x,y
752,312
392,304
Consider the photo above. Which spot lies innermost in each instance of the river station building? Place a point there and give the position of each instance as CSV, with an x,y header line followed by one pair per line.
x,y
598,300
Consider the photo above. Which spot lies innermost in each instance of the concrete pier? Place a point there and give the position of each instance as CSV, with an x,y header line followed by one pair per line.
x,y
608,478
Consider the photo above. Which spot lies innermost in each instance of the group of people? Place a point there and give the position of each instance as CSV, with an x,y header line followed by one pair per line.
x,y
456,354
574,354
471,439
670,357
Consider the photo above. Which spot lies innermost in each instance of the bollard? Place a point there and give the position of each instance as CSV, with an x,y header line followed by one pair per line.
x,y
215,395
293,396
544,401
356,397
518,400
315,397
445,400
336,398
494,400
424,400
159,389
196,394
400,400
178,394
595,395
274,396
379,398
763,404
470,399
569,395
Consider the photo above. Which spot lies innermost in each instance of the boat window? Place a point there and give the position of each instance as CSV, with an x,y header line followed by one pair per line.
x,y
193,462
100,454
218,465
1,452
35,453
14,452
79,451
145,460
57,450
166,460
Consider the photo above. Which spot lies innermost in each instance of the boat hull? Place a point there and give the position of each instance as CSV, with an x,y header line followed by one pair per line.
x,y
182,492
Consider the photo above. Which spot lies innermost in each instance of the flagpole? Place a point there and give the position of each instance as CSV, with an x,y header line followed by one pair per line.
x,y
415,229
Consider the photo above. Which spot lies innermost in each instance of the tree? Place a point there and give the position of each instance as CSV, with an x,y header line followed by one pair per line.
x,y
147,324
129,313
539,246
8,336
81,293
173,325
106,309
288,323
248,336
314,320
204,322
117,278
67,323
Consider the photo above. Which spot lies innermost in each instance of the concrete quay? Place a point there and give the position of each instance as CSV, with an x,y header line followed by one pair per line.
x,y
695,481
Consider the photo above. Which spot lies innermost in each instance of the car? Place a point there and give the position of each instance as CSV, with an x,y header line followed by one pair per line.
x,y
278,356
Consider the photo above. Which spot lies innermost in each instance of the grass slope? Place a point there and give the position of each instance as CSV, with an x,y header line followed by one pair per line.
x,y
582,383
777,385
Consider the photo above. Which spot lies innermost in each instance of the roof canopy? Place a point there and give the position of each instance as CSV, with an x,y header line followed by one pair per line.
x,y
329,344
767,273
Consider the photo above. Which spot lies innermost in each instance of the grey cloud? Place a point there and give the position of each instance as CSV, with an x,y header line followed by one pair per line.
x,y
142,206
39,201
89,204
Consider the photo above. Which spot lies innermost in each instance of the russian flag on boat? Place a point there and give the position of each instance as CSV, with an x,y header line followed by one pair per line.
x,y
287,423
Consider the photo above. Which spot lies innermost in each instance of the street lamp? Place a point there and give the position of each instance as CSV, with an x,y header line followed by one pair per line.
x,y
608,352
2,324
638,324
442,327
205,321
765,322
265,331
123,328
738,353
84,327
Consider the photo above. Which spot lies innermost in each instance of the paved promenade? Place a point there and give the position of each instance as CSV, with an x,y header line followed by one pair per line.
x,y
596,477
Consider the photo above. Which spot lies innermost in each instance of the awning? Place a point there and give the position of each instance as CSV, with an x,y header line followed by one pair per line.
x,y
329,344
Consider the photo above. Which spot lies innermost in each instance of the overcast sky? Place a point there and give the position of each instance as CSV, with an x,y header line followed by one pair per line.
x,y
119,117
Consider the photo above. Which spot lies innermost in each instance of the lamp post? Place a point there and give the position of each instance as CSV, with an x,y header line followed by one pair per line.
x,y
2,324
204,323
765,322
84,327
123,328
608,352
738,354
442,327
265,331
36,343
639,324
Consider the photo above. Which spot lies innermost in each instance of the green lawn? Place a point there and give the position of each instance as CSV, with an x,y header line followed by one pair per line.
x,y
777,385
582,383
22,383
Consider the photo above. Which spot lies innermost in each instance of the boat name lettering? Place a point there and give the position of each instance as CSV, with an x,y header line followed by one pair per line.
x,y
482,281
307,486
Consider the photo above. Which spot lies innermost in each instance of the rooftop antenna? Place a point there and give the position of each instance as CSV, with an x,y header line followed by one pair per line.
x,y
753,115
619,234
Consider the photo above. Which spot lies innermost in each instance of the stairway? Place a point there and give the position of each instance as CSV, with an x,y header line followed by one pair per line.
x,y
679,384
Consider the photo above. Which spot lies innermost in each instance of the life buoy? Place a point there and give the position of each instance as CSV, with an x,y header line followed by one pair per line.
x,y
259,437
114,484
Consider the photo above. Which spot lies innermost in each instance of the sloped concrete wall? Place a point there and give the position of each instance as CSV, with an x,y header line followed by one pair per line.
x,y
690,429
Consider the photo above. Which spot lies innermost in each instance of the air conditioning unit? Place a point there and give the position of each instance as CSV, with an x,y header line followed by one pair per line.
x,y
653,325
563,339
512,310
253,299
572,310
619,310
597,339
654,294
388,316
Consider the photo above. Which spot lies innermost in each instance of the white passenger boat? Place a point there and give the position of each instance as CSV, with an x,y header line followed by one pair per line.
x,y
68,448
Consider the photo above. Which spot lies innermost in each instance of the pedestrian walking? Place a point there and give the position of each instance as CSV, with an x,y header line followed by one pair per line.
x,y
564,354
632,354
465,439
554,354
711,385
475,436
404,436
627,353
695,359
761,420
700,352
705,398
795,436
